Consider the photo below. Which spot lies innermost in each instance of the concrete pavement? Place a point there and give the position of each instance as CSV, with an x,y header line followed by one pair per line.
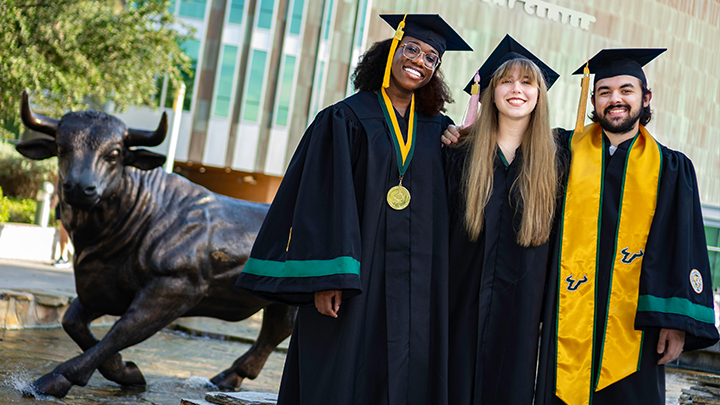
x,y
19,274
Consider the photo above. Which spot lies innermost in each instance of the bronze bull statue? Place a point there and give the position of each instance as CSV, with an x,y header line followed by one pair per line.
x,y
150,247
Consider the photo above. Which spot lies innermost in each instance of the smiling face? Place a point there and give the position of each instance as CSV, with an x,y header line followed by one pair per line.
x,y
516,93
410,75
619,103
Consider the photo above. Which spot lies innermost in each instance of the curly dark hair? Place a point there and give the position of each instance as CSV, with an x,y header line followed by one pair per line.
x,y
647,112
368,76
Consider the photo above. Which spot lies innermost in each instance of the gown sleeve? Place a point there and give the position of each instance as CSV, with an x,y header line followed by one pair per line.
x,y
310,239
675,282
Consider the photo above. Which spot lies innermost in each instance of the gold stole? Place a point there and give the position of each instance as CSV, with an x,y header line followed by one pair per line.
x,y
578,265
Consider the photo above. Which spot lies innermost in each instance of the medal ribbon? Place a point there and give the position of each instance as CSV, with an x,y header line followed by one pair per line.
x,y
579,252
403,149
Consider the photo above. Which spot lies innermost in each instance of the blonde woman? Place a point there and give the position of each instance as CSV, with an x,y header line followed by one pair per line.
x,y
503,189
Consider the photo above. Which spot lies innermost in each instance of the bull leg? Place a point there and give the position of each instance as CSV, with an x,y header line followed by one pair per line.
x,y
76,323
277,325
152,309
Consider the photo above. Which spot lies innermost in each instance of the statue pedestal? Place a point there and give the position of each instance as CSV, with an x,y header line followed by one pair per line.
x,y
234,398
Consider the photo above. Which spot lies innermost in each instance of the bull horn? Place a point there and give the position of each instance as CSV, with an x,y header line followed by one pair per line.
x,y
36,122
138,137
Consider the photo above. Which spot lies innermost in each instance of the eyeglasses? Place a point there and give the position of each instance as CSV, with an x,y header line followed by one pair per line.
x,y
412,51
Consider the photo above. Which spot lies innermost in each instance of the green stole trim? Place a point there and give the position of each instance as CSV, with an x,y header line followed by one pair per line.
x,y
676,306
302,268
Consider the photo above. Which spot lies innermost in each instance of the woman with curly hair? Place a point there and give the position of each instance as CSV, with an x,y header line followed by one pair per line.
x,y
357,234
503,182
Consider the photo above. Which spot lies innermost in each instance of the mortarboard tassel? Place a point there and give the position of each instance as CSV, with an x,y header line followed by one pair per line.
x,y
396,39
584,84
472,110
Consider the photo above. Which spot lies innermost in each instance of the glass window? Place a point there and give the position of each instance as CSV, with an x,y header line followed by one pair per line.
x,y
254,86
191,47
171,6
225,81
712,235
236,11
361,22
193,8
296,17
286,83
265,14
328,17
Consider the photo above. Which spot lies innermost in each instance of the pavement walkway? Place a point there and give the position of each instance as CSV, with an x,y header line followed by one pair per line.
x,y
20,274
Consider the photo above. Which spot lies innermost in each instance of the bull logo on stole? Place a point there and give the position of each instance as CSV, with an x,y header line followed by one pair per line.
x,y
629,257
574,284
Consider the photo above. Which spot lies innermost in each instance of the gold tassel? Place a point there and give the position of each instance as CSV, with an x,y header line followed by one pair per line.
x,y
585,84
396,39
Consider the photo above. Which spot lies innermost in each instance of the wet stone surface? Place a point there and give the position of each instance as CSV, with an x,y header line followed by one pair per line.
x,y
175,366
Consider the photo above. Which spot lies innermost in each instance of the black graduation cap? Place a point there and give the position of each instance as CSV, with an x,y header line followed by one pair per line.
x,y
509,49
616,62
431,29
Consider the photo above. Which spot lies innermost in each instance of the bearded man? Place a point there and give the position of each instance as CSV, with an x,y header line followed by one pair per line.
x,y
630,284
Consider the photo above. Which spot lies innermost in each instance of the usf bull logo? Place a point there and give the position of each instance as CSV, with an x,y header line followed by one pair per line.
x,y
574,284
628,256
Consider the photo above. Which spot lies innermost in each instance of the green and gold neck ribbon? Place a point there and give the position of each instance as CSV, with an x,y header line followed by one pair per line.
x,y
581,221
404,149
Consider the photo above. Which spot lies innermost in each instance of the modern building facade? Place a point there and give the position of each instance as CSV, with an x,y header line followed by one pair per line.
x,y
264,68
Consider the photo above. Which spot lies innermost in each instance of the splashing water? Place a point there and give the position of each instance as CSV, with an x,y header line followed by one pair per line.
x,y
199,383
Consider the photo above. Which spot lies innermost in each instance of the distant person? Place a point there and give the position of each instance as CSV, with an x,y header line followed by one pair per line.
x,y
361,220
630,287
63,260
503,190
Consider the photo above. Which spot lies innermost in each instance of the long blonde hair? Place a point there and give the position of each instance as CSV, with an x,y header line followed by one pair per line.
x,y
537,180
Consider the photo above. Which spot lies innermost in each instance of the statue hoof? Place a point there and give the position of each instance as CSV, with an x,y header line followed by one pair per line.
x,y
53,384
227,381
132,376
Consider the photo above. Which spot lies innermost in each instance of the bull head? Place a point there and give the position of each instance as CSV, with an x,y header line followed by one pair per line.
x,y
92,149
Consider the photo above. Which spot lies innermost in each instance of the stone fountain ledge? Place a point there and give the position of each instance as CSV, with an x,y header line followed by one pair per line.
x,y
44,308
234,398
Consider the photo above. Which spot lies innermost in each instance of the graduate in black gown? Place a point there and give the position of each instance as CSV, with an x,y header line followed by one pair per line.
x,y
357,233
630,285
503,190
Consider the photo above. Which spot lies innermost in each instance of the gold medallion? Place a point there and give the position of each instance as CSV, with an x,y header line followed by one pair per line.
x,y
398,197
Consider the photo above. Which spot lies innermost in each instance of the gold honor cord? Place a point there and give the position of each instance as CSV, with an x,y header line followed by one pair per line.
x,y
584,85
398,197
580,239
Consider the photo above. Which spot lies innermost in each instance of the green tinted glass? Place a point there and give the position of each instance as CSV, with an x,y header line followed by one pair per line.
x,y
265,14
296,17
286,83
225,81
192,8
236,11
254,86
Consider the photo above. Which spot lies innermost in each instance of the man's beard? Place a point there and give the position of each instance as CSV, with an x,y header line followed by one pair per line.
x,y
623,126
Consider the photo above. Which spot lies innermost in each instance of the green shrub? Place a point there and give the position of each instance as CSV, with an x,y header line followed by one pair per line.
x,y
21,177
4,207
21,210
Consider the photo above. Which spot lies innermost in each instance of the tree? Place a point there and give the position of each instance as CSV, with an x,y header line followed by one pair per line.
x,y
71,54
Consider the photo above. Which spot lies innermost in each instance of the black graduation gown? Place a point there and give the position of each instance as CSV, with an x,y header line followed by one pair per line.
x,y
389,342
675,246
496,293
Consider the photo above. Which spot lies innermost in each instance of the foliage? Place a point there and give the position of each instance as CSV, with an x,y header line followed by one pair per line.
x,y
21,210
75,54
4,207
21,177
